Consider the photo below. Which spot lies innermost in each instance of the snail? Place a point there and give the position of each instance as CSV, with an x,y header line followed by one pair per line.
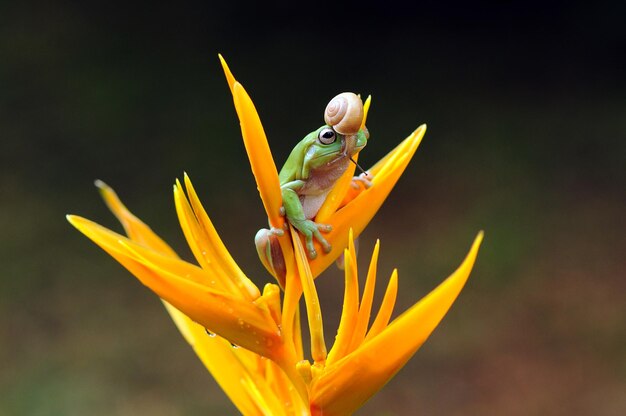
x,y
344,113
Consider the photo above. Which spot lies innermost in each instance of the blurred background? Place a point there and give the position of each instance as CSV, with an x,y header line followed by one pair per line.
x,y
526,112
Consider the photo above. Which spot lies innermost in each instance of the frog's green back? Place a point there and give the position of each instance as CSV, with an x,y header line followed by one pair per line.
x,y
292,169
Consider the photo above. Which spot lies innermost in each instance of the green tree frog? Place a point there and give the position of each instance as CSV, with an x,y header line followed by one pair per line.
x,y
310,172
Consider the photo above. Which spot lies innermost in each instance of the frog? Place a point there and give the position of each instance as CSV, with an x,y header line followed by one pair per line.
x,y
311,171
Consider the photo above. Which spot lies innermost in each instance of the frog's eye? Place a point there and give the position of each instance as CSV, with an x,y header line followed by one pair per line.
x,y
327,136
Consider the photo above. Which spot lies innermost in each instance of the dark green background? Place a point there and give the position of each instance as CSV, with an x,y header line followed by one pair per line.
x,y
526,112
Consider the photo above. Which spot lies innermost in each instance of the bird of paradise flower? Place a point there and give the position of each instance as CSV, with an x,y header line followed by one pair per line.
x,y
249,339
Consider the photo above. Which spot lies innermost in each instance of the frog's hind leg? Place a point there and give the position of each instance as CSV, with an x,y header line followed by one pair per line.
x,y
270,253
358,184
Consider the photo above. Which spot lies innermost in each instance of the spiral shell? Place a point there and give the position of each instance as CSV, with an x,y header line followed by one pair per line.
x,y
344,113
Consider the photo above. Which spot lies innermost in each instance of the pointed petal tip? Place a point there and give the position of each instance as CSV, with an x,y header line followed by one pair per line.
x,y
78,222
222,60
418,133
366,107
477,242
100,184
367,103
106,192
230,78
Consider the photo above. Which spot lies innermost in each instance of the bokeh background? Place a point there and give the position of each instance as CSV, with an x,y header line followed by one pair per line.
x,y
526,112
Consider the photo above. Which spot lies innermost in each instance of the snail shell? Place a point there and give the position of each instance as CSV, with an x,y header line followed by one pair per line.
x,y
344,113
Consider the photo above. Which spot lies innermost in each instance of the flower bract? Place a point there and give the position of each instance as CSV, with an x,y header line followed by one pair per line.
x,y
250,338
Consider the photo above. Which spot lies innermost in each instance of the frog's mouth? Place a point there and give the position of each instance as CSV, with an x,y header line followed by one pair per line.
x,y
324,154
329,157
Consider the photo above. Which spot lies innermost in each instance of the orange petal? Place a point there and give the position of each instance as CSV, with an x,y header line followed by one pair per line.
x,y
258,150
225,364
238,321
212,249
134,227
400,149
366,109
366,302
199,246
281,385
346,385
313,310
350,310
229,75
386,307
220,358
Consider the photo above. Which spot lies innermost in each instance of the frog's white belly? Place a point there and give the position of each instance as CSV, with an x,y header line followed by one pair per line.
x,y
314,192
311,204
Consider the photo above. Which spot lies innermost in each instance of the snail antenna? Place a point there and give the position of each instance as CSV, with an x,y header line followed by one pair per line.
x,y
358,166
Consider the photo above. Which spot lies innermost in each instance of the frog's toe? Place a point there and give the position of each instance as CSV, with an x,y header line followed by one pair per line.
x,y
277,232
365,179
325,228
311,249
327,247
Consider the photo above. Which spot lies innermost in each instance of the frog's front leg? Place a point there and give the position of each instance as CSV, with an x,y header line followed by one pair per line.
x,y
296,217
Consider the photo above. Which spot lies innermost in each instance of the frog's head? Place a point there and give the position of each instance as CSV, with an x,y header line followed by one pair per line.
x,y
324,146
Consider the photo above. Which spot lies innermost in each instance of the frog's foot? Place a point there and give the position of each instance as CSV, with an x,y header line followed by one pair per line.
x,y
364,178
270,253
312,229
